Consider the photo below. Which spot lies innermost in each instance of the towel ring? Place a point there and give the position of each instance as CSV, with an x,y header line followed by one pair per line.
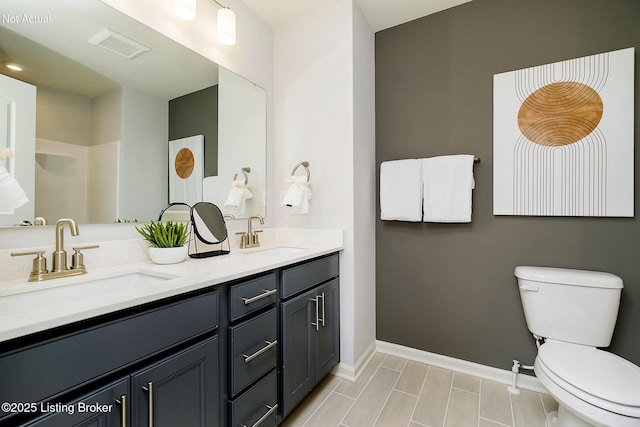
x,y
245,172
305,165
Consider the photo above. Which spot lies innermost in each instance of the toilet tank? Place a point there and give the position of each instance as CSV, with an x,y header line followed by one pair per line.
x,y
575,306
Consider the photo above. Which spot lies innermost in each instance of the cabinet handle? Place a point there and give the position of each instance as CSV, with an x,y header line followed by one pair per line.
x,y
323,316
270,344
317,324
149,388
123,406
270,411
266,293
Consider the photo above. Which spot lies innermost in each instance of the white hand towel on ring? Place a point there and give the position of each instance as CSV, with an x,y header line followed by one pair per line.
x,y
298,194
237,195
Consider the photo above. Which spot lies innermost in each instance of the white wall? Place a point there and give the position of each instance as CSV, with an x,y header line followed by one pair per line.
x,y
144,142
364,183
63,116
324,115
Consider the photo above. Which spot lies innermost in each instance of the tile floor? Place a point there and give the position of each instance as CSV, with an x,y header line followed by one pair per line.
x,y
394,392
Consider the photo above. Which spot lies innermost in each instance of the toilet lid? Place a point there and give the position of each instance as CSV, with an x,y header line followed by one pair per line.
x,y
594,371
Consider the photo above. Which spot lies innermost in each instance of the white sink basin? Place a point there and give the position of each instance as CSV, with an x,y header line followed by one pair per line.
x,y
275,251
41,299
85,284
137,278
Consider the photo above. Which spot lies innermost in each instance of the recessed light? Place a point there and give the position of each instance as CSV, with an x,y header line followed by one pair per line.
x,y
13,66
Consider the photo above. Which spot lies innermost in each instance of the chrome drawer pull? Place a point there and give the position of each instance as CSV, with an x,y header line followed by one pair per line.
x,y
266,293
270,345
265,416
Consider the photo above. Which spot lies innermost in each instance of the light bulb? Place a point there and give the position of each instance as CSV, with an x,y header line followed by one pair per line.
x,y
226,27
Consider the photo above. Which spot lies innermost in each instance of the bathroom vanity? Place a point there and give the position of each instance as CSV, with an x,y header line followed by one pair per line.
x,y
214,346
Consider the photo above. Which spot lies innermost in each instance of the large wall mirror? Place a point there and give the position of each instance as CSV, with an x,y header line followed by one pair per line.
x,y
118,108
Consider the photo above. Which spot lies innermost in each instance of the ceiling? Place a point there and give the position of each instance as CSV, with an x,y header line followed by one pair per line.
x,y
381,14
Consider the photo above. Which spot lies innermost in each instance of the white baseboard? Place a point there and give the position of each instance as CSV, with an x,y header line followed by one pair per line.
x,y
526,382
351,373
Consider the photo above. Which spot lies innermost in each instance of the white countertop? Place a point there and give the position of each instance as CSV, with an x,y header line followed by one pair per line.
x,y
29,307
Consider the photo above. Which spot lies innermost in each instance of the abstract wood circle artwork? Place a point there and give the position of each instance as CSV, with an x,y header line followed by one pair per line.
x,y
186,169
560,114
563,138
184,163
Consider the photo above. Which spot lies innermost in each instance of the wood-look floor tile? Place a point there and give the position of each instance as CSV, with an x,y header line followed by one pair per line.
x,y
300,415
369,404
412,377
394,392
488,423
393,362
353,389
432,403
466,382
495,403
527,409
331,412
397,411
462,410
549,403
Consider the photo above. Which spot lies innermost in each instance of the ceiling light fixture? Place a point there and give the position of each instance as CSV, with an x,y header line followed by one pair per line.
x,y
186,9
13,66
226,25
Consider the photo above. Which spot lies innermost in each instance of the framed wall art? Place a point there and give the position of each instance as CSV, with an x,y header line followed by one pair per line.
x,y
563,138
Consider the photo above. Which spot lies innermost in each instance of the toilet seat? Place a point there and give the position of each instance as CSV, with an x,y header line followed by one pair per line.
x,y
599,378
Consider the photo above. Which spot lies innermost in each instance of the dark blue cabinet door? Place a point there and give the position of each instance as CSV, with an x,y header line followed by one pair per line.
x,y
328,331
297,350
107,407
181,390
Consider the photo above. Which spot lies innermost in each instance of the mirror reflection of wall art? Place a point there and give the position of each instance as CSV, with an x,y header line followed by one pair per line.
x,y
186,169
563,138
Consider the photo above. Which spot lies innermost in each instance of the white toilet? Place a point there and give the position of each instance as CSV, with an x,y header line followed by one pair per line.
x,y
573,312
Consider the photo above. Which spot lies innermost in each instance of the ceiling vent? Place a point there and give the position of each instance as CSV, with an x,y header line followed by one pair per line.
x,y
118,43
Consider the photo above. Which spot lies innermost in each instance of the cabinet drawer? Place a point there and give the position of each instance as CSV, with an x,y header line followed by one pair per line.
x,y
254,349
250,296
305,276
39,371
258,406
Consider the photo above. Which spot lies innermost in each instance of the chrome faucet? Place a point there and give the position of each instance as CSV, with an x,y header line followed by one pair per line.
x,y
249,239
39,271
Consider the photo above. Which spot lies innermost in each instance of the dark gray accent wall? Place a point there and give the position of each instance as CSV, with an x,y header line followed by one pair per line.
x,y
197,114
449,288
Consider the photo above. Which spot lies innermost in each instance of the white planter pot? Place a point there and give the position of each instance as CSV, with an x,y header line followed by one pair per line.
x,y
168,255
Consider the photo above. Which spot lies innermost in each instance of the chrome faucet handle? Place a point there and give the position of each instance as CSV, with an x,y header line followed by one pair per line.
x,y
39,262
77,259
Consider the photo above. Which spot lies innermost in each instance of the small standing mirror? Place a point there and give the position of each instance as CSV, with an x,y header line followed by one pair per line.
x,y
176,212
209,229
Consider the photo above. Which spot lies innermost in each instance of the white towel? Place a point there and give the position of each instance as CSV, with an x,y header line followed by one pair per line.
x,y
447,185
297,195
401,190
237,195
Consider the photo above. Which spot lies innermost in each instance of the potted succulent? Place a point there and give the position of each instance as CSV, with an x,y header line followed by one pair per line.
x,y
166,240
